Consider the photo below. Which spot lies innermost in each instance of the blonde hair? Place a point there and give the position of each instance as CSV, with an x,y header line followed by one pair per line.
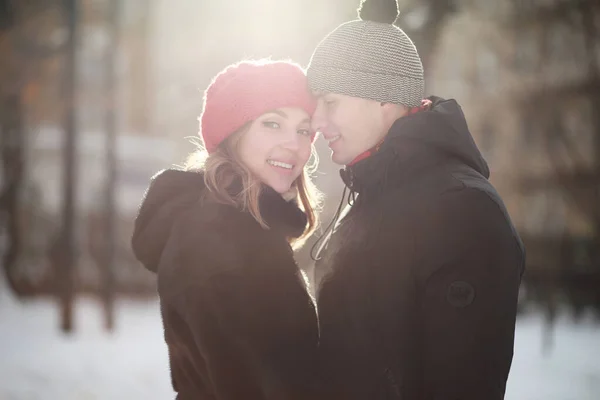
x,y
223,166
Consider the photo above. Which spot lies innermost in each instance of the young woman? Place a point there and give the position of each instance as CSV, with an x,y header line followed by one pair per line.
x,y
239,323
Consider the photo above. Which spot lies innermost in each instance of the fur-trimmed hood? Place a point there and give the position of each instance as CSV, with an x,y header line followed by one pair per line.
x,y
173,192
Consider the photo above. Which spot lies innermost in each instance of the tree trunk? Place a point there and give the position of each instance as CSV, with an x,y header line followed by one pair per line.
x,y
12,147
66,254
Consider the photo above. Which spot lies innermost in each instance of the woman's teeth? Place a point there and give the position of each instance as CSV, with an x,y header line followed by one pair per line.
x,y
280,164
333,139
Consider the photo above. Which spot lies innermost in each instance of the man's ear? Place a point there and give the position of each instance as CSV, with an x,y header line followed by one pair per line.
x,y
392,111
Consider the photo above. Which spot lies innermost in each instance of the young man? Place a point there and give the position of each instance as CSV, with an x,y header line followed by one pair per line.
x,y
418,282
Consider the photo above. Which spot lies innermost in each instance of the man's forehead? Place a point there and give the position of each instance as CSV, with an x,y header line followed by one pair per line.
x,y
322,93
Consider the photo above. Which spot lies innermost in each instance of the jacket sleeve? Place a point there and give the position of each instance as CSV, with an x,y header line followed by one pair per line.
x,y
469,277
252,321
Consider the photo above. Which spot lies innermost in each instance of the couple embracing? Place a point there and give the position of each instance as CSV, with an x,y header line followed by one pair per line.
x,y
417,279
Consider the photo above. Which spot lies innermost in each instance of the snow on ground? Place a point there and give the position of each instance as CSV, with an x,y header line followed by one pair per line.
x,y
569,371
37,362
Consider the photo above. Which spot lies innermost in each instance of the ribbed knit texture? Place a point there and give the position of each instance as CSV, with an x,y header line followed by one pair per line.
x,y
371,60
244,91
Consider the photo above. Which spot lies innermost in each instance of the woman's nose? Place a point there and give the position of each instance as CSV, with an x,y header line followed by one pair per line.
x,y
292,141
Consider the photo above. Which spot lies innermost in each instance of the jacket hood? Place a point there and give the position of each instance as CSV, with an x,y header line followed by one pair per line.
x,y
418,141
171,193
443,128
174,192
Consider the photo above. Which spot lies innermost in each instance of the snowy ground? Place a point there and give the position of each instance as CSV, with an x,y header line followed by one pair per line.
x,y
36,362
569,371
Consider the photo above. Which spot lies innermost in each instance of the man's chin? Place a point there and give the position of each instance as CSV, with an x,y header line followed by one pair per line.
x,y
338,158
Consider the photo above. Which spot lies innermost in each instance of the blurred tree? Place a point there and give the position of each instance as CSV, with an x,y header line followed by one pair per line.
x,y
557,98
27,37
66,252
424,21
562,107
139,58
36,32
108,259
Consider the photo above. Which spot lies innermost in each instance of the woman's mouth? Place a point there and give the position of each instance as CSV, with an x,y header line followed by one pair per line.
x,y
280,164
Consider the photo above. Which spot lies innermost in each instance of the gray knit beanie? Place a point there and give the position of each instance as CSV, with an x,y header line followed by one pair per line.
x,y
369,58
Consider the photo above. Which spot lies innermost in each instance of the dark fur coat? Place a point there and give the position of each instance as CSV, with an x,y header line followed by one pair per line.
x,y
238,321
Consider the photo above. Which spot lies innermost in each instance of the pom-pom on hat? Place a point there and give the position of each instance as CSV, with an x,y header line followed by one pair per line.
x,y
369,58
384,11
243,91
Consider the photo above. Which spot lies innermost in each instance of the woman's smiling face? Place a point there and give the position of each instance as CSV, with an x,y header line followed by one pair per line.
x,y
276,147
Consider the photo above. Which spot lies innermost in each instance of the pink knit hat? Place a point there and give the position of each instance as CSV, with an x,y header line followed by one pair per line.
x,y
244,91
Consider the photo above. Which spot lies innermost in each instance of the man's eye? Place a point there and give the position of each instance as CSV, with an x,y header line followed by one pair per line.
x,y
305,132
271,124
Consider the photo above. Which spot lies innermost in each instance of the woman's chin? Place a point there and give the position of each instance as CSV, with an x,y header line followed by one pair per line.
x,y
280,186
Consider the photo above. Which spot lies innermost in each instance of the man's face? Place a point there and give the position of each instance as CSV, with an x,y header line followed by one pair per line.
x,y
351,125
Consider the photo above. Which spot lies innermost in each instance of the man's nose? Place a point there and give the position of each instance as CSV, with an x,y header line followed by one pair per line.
x,y
318,122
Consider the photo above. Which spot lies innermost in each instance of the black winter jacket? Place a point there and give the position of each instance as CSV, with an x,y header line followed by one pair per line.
x,y
238,321
418,285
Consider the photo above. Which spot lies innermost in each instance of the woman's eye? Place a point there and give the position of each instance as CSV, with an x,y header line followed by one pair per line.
x,y
305,132
271,124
